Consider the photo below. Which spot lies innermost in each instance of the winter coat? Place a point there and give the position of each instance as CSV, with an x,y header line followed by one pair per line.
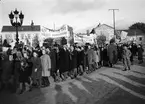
x,y
126,57
36,64
104,54
23,74
53,57
73,60
6,69
90,54
140,53
96,56
112,53
64,59
46,65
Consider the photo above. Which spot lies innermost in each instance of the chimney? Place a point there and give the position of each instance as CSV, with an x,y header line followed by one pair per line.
x,y
32,23
99,24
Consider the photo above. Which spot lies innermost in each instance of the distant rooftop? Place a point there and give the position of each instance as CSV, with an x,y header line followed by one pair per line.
x,y
22,28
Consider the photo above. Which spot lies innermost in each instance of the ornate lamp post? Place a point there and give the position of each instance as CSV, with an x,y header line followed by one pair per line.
x,y
16,20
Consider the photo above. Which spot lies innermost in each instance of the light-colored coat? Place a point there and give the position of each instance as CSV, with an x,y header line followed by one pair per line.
x,y
96,56
91,56
126,58
46,65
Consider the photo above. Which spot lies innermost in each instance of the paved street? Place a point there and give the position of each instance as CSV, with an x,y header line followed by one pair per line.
x,y
104,86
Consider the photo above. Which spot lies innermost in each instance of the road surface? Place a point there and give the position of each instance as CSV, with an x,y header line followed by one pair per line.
x,y
104,86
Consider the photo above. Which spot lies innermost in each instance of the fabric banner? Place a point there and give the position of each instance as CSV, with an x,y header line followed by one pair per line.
x,y
49,33
83,39
123,35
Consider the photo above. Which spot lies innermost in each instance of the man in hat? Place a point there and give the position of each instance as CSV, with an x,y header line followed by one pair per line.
x,y
112,53
64,59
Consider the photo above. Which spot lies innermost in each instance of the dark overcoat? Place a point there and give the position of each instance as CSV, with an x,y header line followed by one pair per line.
x,y
36,64
140,53
53,57
73,60
6,69
112,53
64,58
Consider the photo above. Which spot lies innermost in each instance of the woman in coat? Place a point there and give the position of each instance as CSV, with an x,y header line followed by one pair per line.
x,y
36,69
46,67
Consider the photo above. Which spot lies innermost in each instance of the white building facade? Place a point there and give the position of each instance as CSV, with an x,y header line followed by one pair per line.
x,y
25,34
106,30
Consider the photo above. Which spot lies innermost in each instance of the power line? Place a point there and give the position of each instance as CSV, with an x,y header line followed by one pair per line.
x,y
113,10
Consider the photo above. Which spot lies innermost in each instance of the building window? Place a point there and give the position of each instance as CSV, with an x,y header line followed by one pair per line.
x,y
140,38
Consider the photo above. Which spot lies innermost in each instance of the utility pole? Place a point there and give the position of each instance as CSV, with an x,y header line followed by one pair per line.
x,y
114,19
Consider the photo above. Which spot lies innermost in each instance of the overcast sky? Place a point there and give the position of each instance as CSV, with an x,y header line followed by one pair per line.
x,y
80,14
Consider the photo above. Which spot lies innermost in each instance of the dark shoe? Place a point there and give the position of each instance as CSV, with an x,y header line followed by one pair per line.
x,y
47,83
30,89
20,92
124,69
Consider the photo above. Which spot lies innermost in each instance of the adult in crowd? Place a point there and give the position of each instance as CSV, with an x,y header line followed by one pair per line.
x,y
140,53
96,57
120,49
105,57
112,52
7,64
64,59
131,50
126,58
73,62
79,60
17,67
90,53
27,58
53,57
86,64
36,70
23,76
46,68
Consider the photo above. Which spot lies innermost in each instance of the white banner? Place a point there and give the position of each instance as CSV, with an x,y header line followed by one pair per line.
x,y
83,39
123,35
62,32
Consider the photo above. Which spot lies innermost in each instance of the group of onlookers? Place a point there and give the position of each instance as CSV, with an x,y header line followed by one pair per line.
x,y
28,67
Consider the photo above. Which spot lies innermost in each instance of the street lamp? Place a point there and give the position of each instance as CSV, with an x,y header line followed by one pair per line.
x,y
14,16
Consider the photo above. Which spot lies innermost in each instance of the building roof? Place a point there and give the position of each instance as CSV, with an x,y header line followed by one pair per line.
x,y
134,32
22,28
122,30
